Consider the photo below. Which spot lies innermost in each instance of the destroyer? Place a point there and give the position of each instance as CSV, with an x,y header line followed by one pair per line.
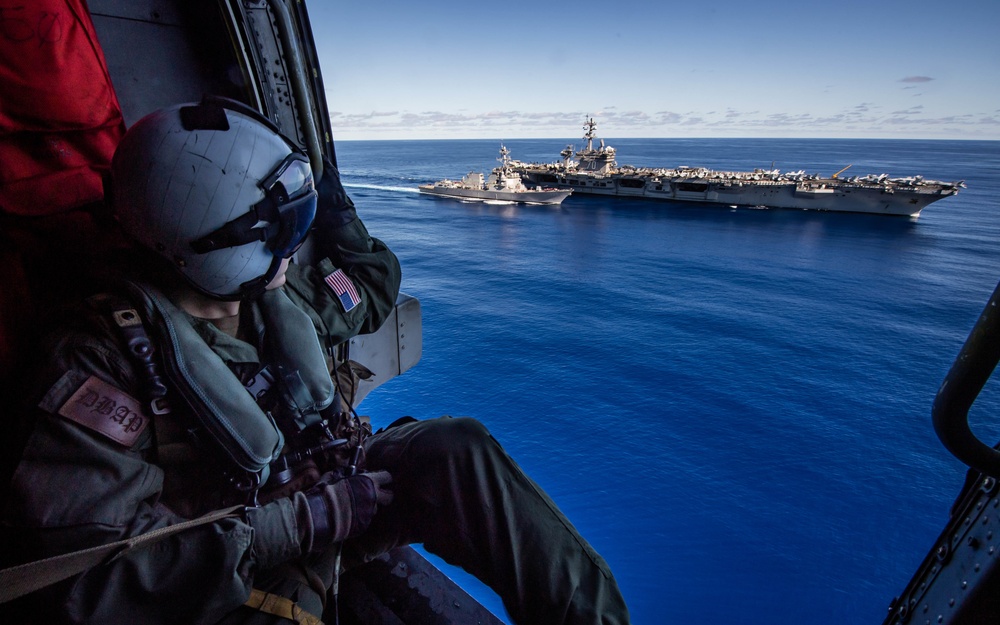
x,y
503,185
595,171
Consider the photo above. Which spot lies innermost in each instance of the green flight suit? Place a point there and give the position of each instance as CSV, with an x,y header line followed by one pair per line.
x,y
455,489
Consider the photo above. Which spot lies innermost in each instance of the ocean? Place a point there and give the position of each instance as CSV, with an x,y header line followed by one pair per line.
x,y
731,405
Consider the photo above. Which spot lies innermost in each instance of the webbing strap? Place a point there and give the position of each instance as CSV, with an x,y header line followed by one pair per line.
x,y
279,606
19,580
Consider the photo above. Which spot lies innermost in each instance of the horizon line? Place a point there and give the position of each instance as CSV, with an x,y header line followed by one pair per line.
x,y
696,138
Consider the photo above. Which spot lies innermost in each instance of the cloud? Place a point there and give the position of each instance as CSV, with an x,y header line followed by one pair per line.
x,y
669,117
916,79
635,118
950,120
862,119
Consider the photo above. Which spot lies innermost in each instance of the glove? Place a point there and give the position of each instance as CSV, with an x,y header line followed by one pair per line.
x,y
332,510
345,508
333,207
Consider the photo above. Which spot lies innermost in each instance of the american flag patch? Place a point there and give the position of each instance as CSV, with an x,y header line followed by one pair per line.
x,y
344,289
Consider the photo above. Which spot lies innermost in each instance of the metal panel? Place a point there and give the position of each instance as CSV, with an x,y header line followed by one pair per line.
x,y
393,350
956,583
403,587
162,11
161,53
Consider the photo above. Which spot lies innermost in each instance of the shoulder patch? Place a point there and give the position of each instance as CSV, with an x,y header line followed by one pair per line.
x,y
344,289
106,410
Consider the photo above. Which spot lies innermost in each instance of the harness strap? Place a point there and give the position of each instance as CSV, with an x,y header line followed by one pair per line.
x,y
17,581
276,605
132,331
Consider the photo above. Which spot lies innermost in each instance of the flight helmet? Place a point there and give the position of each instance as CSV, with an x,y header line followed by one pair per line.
x,y
216,191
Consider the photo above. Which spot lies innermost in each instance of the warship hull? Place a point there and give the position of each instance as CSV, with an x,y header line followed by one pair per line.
x,y
823,195
545,196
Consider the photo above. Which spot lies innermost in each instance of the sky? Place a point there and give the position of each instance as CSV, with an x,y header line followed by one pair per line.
x,y
921,69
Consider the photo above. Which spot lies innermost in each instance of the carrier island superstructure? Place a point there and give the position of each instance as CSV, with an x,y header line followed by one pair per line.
x,y
595,171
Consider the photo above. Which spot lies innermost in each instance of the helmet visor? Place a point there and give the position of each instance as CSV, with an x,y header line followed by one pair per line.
x,y
290,191
282,218
295,223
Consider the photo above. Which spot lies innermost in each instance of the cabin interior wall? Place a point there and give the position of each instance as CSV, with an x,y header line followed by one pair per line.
x,y
164,52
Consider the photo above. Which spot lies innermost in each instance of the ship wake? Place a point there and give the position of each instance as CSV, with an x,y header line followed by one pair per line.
x,y
379,187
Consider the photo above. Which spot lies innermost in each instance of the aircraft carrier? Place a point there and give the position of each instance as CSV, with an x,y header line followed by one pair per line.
x,y
595,171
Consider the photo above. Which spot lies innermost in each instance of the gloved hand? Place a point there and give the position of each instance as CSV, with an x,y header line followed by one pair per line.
x,y
345,508
331,510
333,207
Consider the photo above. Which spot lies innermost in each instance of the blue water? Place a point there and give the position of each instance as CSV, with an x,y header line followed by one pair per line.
x,y
732,405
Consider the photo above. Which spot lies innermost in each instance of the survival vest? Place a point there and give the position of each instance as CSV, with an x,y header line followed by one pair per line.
x,y
247,435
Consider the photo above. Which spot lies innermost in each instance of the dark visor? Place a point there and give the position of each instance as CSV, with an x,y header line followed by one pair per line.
x,y
282,218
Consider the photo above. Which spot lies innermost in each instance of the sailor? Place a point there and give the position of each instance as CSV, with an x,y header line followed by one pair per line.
x,y
203,383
